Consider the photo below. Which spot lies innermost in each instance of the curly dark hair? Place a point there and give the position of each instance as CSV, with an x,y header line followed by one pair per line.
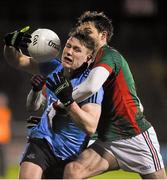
x,y
100,20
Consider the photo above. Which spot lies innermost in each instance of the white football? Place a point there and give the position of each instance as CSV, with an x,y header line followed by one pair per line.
x,y
45,45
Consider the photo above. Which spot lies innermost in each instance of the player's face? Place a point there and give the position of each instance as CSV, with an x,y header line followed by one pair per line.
x,y
90,28
74,54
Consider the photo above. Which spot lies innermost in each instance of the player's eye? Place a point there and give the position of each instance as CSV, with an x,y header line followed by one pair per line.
x,y
88,31
68,45
77,49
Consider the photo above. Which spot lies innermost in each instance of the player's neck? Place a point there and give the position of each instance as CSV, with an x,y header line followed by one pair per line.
x,y
101,44
68,72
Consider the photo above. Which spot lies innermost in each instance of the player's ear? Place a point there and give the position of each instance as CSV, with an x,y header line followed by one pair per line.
x,y
89,59
104,35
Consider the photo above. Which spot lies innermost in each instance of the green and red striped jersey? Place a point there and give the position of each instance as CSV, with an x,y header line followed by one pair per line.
x,y
122,116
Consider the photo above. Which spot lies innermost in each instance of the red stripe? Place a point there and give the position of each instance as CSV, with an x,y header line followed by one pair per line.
x,y
98,56
106,66
98,59
153,151
126,106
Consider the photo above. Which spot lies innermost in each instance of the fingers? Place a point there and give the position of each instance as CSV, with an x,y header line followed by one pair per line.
x,y
56,78
25,40
38,79
18,38
61,76
50,84
25,29
37,82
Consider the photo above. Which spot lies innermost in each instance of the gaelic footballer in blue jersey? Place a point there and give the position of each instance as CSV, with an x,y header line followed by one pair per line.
x,y
59,140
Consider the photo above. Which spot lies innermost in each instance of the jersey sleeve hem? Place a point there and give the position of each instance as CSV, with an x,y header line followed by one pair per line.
x,y
106,66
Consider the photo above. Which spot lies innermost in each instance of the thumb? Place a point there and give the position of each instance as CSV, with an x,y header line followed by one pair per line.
x,y
25,29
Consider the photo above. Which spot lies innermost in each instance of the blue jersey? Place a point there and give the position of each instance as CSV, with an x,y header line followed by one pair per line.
x,y
47,67
65,137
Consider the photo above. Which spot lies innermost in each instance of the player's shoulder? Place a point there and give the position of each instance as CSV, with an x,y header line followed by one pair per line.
x,y
48,67
110,53
58,68
55,61
81,77
110,50
86,73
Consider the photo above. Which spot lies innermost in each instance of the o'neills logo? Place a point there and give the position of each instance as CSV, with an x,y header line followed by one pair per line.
x,y
35,40
52,44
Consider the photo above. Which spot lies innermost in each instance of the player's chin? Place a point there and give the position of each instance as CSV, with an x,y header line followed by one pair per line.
x,y
66,64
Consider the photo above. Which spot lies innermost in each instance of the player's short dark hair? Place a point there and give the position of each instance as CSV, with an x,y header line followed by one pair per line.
x,y
84,39
100,20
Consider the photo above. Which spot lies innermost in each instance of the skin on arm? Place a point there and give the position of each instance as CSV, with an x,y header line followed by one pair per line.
x,y
20,61
35,100
86,117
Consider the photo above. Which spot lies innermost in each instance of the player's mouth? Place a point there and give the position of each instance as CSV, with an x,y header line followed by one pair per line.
x,y
67,60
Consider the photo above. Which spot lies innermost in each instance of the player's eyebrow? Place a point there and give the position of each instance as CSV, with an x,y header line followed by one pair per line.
x,y
88,30
77,48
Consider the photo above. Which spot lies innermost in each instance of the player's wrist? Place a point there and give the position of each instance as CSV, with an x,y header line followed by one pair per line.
x,y
35,93
60,104
71,106
68,102
36,90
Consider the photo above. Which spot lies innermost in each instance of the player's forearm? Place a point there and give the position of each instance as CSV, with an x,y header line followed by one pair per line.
x,y
91,85
35,100
84,118
20,61
12,56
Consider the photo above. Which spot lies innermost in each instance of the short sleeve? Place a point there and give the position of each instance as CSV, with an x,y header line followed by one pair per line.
x,y
96,98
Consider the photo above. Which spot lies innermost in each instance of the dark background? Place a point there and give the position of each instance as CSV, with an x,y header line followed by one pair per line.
x,y
140,34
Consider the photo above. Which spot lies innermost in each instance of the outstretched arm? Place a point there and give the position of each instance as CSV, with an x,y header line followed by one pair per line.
x,y
14,41
20,61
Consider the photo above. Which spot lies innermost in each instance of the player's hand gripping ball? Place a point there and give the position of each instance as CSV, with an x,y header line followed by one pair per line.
x,y
18,39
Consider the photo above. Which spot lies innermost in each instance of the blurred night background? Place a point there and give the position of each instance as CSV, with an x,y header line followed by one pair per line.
x,y
140,34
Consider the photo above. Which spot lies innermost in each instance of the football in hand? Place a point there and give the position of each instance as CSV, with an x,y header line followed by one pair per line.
x,y
45,45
